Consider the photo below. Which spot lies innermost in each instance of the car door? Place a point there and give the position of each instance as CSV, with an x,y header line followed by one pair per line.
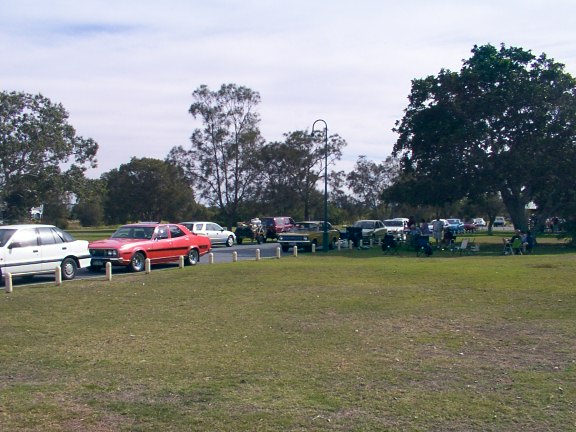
x,y
160,248
214,233
180,241
52,248
23,253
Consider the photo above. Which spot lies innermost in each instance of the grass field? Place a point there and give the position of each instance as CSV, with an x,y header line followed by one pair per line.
x,y
349,341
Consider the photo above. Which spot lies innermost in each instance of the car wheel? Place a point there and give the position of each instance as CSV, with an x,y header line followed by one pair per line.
x,y
193,257
68,268
230,241
137,262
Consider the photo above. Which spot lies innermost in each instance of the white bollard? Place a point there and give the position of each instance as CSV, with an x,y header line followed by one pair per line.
x,y
339,245
371,242
8,282
211,258
257,254
313,248
295,251
278,254
234,256
350,244
147,265
57,276
108,271
181,261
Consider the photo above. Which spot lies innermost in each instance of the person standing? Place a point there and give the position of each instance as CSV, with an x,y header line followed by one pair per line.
x,y
437,229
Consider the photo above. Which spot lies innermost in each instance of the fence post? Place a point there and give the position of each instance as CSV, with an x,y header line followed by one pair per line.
x,y
57,276
8,282
108,271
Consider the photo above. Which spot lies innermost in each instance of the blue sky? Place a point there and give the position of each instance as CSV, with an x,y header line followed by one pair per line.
x,y
125,69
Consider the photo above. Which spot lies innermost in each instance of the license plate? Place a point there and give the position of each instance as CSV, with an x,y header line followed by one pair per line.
x,y
97,262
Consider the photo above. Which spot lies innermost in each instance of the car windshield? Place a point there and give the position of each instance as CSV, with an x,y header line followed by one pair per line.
x,y
134,232
5,235
393,223
364,224
306,226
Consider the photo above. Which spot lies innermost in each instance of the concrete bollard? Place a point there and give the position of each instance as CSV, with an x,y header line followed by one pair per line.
x,y
257,254
234,256
339,247
147,265
371,242
295,251
108,271
313,248
350,244
181,261
278,253
211,258
7,282
57,276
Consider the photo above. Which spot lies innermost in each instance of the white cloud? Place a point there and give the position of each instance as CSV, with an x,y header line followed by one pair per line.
x,y
125,70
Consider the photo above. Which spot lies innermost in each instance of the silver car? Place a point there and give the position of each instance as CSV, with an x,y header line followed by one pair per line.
x,y
213,231
26,250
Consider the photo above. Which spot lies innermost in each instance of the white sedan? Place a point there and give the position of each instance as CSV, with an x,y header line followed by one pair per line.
x,y
213,231
26,250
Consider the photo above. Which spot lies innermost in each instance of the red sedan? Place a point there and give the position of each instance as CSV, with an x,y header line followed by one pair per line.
x,y
132,244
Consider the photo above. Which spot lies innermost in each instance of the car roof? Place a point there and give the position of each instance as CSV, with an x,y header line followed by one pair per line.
x,y
20,226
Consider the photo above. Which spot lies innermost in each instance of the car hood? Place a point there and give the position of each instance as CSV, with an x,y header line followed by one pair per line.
x,y
116,243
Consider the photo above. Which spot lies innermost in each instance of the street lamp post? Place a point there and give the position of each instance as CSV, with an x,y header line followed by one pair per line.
x,y
325,233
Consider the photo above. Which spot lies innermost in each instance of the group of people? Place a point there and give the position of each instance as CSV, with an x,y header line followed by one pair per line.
x,y
520,243
443,237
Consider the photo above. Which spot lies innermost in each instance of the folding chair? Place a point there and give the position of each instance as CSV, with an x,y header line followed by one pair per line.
x,y
389,245
462,248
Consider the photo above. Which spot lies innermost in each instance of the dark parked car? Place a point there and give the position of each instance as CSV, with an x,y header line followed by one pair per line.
x,y
276,225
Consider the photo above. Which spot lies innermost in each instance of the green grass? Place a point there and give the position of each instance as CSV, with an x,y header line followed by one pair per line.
x,y
351,341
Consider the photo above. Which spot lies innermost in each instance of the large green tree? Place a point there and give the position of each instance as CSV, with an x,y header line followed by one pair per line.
x,y
294,167
147,190
504,124
40,153
367,181
222,162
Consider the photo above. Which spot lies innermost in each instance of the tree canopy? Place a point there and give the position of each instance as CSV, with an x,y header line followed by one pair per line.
x,y
222,162
505,123
40,153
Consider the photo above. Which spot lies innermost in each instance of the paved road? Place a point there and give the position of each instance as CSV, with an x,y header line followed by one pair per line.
x,y
221,254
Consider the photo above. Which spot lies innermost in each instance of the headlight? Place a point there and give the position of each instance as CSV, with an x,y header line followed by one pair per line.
x,y
280,238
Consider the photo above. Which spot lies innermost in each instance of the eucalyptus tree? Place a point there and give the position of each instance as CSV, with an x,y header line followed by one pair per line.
x,y
503,124
369,179
39,152
295,167
223,160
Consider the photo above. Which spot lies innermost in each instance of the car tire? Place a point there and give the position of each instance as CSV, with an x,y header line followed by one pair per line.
x,y
138,262
193,257
230,241
68,268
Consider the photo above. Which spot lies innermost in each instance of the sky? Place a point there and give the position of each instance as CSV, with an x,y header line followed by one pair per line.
x,y
125,70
